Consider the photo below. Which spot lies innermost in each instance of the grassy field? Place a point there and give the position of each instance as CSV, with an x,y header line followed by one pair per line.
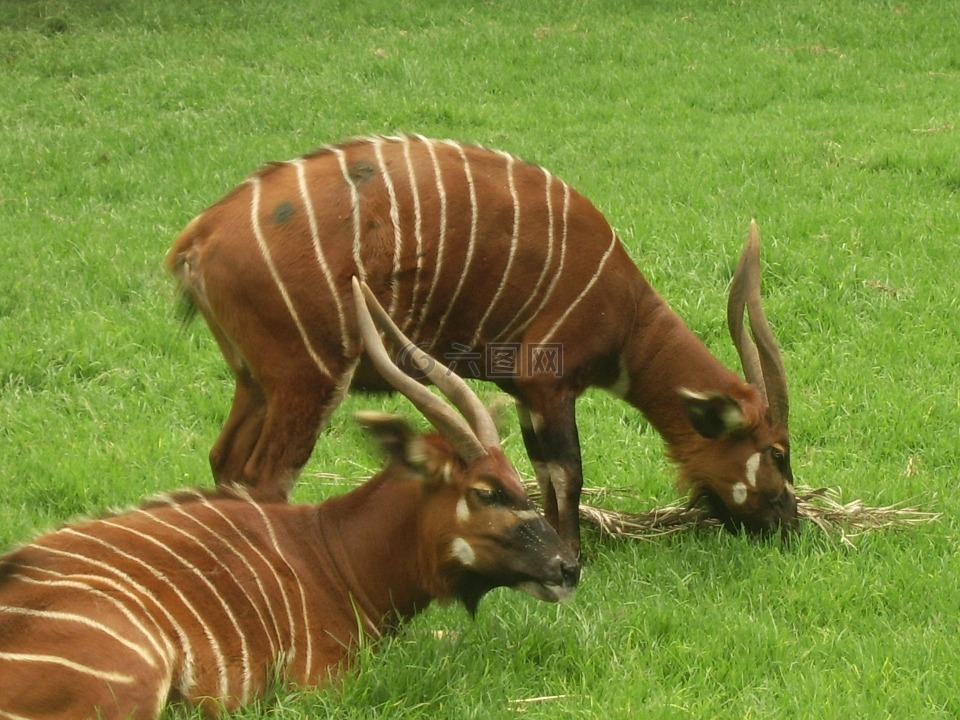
x,y
834,124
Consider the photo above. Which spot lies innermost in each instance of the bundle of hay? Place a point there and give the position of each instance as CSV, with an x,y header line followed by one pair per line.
x,y
820,506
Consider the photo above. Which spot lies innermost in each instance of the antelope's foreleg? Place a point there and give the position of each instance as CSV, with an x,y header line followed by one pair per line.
x,y
549,428
531,443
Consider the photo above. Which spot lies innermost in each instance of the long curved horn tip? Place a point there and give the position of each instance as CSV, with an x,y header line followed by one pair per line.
x,y
367,292
357,289
374,416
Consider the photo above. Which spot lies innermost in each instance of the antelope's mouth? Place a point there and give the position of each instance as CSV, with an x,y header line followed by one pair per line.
x,y
548,592
779,518
556,589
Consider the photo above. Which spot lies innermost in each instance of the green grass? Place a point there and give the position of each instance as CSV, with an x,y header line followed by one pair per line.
x,y
834,124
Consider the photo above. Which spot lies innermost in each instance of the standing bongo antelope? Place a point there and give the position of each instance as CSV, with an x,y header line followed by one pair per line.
x,y
480,258
201,597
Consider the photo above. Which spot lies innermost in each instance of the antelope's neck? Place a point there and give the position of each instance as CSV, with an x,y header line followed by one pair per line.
x,y
661,356
371,541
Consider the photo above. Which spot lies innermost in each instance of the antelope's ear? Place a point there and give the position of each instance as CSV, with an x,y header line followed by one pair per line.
x,y
396,438
713,414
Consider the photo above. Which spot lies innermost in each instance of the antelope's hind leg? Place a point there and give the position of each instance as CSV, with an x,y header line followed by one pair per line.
x,y
297,408
240,433
281,402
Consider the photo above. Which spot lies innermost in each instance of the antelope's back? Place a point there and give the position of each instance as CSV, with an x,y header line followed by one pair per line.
x,y
463,245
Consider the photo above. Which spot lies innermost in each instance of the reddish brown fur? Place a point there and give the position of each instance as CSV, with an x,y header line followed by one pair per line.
x,y
565,279
276,587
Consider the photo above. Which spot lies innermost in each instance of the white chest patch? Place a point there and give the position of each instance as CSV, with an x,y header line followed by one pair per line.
x,y
753,462
739,493
463,552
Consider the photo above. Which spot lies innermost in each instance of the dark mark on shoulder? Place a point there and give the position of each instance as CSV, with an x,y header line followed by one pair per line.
x,y
283,212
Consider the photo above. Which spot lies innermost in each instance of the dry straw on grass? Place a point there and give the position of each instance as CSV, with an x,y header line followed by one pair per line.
x,y
820,506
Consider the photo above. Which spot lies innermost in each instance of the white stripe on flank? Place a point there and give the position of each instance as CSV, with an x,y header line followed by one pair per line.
x,y
318,250
417,228
303,596
395,221
63,662
274,273
586,288
268,564
219,657
214,646
514,238
474,216
81,620
354,210
521,320
563,254
186,671
4,715
165,652
227,609
441,236
275,637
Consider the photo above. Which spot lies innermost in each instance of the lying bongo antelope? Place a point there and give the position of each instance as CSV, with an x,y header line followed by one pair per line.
x,y
482,259
201,598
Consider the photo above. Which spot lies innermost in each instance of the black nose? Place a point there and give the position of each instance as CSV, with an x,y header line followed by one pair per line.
x,y
570,574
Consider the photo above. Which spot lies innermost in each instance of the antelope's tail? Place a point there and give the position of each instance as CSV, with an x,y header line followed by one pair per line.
x,y
183,263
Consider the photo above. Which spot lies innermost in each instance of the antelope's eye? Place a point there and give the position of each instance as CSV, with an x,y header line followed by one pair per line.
x,y
779,455
486,495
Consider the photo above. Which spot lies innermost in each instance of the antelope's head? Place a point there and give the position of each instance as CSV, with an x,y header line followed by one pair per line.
x,y
742,471
478,530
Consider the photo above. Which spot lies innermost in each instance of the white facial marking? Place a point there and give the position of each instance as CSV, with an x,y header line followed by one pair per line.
x,y
462,551
753,462
740,493
527,514
463,511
